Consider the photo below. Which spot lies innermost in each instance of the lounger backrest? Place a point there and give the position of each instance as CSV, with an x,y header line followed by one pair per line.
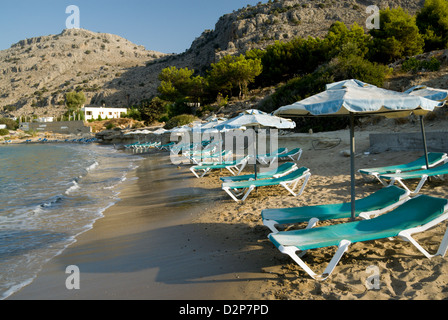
x,y
434,171
293,175
413,213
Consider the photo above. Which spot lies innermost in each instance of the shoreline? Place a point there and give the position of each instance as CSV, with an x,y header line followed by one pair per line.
x,y
135,252
219,249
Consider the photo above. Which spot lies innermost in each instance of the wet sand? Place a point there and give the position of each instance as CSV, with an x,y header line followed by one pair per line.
x,y
149,247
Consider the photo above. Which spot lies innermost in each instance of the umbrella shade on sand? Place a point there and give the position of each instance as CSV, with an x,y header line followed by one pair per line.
x,y
256,119
350,97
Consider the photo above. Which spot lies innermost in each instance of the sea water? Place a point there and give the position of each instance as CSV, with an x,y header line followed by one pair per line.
x,y
49,194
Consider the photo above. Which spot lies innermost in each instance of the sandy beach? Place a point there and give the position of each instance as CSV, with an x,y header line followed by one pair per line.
x,y
175,237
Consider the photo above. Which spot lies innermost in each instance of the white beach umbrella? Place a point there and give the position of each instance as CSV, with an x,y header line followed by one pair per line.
x,y
427,92
160,131
256,120
253,111
350,97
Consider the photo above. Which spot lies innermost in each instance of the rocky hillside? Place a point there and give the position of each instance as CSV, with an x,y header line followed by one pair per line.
x,y
261,25
36,73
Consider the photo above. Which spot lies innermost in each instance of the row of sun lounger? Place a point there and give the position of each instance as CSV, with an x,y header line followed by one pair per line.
x,y
410,171
389,212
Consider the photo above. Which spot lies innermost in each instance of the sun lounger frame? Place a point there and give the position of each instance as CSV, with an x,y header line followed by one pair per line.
x,y
234,167
289,185
367,214
345,243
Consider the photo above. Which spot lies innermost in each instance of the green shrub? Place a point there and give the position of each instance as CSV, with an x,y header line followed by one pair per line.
x,y
10,124
397,37
432,21
180,120
4,132
110,126
415,65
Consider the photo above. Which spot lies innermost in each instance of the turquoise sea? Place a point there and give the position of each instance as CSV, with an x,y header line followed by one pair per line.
x,y
49,194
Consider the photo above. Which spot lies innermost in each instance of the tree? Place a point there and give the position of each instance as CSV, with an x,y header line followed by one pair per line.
x,y
151,110
432,21
232,70
342,41
397,37
180,84
75,100
174,83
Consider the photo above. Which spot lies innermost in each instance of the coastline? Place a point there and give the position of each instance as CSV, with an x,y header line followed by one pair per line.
x,y
148,246
187,240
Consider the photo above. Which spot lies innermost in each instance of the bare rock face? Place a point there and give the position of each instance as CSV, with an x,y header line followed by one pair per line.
x,y
36,73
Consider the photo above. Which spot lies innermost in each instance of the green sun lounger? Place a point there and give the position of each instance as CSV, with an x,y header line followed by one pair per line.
x,y
423,175
266,158
289,182
235,167
211,157
414,216
281,170
434,158
373,205
293,155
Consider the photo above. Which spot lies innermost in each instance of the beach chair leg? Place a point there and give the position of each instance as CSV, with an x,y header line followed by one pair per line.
x,y
443,245
271,225
194,172
231,171
420,184
297,155
205,172
417,189
249,190
229,192
342,248
295,182
441,251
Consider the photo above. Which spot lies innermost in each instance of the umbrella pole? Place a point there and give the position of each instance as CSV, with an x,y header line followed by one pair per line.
x,y
352,164
255,155
425,149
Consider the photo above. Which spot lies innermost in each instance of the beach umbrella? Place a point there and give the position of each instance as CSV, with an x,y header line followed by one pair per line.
x,y
350,97
253,111
256,119
429,93
160,131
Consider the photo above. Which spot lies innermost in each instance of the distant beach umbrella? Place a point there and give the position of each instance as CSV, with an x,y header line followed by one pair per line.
x,y
350,97
160,131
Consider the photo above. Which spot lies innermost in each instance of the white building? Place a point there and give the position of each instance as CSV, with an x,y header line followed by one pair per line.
x,y
105,113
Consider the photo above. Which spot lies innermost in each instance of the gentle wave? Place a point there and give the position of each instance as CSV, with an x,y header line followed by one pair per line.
x,y
53,209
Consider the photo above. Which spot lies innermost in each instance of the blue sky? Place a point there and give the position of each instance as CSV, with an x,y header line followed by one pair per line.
x,y
168,26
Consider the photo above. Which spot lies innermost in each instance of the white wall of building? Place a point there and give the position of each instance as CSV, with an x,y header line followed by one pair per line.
x,y
105,113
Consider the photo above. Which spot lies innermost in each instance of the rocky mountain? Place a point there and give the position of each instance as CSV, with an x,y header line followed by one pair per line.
x,y
36,73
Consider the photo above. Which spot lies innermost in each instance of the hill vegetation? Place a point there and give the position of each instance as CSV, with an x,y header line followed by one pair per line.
x,y
303,66
260,56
